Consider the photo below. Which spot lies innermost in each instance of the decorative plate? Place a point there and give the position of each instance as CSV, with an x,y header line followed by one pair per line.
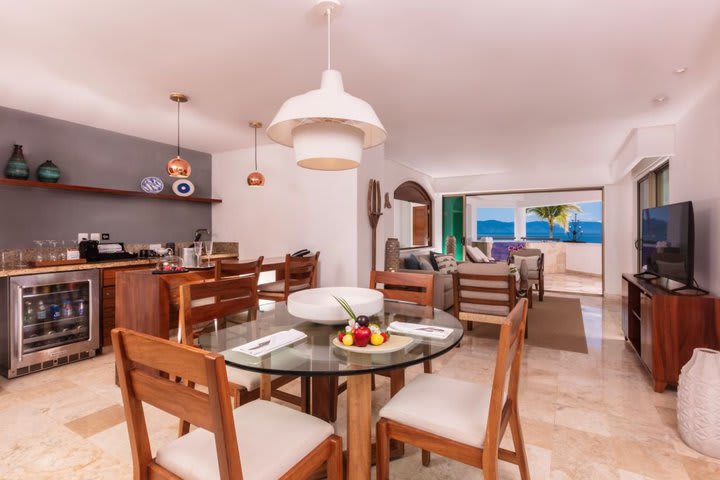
x,y
152,185
393,344
183,188
319,304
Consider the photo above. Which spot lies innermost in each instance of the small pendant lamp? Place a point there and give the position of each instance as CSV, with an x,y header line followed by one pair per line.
x,y
256,179
328,128
178,167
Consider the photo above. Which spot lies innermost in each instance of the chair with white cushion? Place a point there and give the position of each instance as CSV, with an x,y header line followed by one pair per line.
x,y
299,273
535,261
461,420
201,303
259,440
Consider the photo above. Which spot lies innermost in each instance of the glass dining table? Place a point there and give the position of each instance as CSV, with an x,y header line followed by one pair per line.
x,y
317,357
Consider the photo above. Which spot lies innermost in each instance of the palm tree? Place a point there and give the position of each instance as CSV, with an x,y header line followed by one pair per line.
x,y
559,214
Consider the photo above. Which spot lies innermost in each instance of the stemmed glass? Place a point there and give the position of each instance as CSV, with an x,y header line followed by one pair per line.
x,y
40,245
198,250
53,252
208,247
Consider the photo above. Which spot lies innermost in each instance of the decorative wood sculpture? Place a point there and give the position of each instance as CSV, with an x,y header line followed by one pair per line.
x,y
388,203
374,212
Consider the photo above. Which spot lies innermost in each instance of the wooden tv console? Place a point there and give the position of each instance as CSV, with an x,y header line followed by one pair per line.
x,y
664,327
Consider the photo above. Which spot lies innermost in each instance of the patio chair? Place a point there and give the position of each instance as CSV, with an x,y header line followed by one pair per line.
x,y
535,260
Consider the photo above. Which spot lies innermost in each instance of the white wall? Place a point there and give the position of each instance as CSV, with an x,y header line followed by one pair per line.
x,y
583,258
619,223
695,176
297,208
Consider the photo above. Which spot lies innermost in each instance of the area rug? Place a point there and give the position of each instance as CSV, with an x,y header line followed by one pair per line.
x,y
556,323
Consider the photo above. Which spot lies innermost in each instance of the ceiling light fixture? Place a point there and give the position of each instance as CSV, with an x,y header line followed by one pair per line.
x,y
680,70
328,128
660,99
178,167
256,179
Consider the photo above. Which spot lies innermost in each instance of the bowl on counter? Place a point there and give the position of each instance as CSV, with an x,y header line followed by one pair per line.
x,y
170,264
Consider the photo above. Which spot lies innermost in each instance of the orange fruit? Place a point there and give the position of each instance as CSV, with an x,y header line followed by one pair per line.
x,y
377,339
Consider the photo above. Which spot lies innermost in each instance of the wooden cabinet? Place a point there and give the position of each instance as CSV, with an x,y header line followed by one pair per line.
x,y
107,320
665,327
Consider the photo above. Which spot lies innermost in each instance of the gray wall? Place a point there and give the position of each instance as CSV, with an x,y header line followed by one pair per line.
x,y
99,158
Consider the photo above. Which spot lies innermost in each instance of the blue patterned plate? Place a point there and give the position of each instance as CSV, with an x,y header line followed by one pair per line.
x,y
183,188
152,185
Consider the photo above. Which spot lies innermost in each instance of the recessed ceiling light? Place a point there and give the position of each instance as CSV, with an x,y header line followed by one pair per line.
x,y
660,99
680,70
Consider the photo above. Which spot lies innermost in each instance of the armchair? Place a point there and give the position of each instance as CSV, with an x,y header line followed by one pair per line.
x,y
536,268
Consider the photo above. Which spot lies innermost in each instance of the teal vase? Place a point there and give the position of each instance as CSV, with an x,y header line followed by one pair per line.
x,y
17,167
48,172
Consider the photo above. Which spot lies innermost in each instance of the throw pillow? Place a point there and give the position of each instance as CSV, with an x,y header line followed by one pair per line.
x,y
446,263
425,265
433,262
532,262
411,262
477,255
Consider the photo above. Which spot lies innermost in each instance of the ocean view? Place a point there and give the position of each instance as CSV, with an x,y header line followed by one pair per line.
x,y
592,231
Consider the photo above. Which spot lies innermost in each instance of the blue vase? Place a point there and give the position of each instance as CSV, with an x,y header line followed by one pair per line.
x,y
48,172
17,167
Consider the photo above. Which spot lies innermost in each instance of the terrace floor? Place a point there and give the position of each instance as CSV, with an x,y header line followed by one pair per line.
x,y
581,283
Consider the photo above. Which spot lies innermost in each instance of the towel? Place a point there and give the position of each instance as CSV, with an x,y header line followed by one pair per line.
x,y
420,329
269,343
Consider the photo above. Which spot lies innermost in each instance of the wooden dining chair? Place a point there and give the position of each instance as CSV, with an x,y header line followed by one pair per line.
x,y
238,269
227,297
299,273
261,439
461,420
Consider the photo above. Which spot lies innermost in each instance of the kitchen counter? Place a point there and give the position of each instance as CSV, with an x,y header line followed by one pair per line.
x,y
100,265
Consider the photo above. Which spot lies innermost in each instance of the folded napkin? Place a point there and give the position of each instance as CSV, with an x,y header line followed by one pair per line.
x,y
265,345
420,329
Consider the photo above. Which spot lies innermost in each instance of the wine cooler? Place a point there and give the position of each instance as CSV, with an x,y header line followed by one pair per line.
x,y
47,320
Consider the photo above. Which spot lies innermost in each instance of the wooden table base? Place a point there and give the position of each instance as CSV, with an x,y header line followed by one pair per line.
x,y
359,418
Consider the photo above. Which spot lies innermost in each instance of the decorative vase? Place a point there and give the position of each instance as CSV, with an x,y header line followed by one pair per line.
x,y
48,172
698,402
392,254
450,245
17,167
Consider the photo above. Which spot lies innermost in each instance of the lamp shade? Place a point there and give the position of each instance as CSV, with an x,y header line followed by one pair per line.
x,y
256,179
179,167
328,116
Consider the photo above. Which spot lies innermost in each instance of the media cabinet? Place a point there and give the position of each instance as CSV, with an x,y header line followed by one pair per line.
x,y
664,327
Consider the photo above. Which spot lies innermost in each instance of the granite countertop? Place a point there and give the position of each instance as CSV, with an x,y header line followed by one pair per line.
x,y
90,266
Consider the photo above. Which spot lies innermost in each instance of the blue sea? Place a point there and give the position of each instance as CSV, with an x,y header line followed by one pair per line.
x,y
591,231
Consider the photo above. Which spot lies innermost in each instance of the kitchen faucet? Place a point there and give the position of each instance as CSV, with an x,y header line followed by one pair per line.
x,y
199,233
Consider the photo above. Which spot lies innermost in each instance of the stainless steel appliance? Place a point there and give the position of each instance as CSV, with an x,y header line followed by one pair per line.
x,y
48,320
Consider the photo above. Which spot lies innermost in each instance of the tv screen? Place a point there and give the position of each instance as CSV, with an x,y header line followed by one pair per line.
x,y
668,241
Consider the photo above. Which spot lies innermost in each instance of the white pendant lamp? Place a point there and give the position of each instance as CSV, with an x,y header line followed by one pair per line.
x,y
328,128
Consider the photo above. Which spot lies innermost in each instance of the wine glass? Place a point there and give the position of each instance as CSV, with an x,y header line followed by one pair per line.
x,y
63,250
39,254
198,249
208,247
53,252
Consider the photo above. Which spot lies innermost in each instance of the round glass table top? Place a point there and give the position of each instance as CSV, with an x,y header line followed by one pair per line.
x,y
315,354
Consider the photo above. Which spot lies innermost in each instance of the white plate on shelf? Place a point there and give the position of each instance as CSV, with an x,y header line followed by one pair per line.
x,y
320,306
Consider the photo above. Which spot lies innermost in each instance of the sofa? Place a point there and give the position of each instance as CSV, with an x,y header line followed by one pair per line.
x,y
443,283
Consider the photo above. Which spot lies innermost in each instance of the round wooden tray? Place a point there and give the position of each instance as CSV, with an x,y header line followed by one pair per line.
x,y
394,343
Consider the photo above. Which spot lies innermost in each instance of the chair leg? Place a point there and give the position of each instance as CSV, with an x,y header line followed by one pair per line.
x,y
541,289
382,450
372,382
519,444
426,458
427,366
334,467
236,398
469,325
305,394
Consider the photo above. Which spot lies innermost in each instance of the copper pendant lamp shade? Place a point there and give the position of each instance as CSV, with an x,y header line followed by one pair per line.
x,y
178,167
256,179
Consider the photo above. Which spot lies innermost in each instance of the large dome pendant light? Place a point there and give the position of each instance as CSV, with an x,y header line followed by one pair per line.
x,y
256,179
328,128
178,167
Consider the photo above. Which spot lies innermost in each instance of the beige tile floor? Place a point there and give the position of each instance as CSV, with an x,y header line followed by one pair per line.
x,y
579,283
585,416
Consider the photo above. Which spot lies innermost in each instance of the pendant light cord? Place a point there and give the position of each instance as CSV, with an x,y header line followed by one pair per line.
x,y
178,129
328,12
256,128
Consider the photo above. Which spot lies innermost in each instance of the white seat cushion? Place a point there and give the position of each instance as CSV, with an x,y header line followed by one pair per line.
x,y
448,407
279,287
245,378
271,440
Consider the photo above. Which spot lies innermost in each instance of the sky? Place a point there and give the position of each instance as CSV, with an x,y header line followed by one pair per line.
x,y
591,212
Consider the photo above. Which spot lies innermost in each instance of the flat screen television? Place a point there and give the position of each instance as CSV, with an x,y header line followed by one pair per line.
x,y
668,242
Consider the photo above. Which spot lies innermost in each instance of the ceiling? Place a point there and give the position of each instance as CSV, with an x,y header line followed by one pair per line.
x,y
462,86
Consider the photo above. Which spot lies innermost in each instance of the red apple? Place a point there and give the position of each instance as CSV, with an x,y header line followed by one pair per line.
x,y
362,336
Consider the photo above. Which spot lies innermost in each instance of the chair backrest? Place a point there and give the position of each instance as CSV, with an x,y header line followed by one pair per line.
x,y
228,296
404,286
142,360
484,288
506,379
529,252
238,269
300,271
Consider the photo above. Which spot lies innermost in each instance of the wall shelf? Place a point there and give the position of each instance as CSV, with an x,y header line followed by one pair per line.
x,y
108,191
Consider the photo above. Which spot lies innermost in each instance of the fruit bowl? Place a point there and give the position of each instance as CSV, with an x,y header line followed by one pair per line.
x,y
320,306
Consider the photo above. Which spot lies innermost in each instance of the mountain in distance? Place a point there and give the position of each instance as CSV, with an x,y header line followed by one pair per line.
x,y
538,228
